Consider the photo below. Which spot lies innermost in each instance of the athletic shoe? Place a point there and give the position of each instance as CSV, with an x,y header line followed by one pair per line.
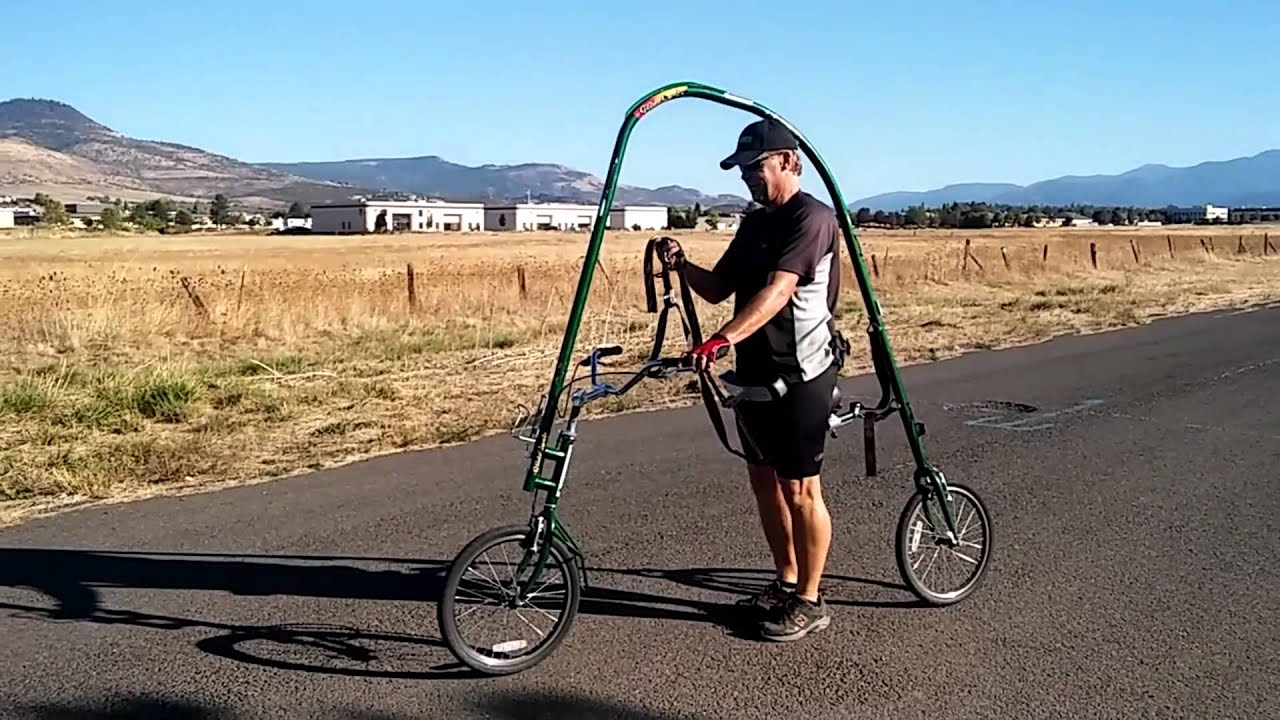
x,y
795,619
768,600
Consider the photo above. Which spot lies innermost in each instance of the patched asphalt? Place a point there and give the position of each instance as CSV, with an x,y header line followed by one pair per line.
x,y
1133,479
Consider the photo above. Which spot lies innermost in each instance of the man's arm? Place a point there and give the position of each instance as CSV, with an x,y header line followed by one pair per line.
x,y
763,306
711,286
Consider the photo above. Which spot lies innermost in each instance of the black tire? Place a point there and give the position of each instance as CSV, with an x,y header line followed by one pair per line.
x,y
904,540
560,558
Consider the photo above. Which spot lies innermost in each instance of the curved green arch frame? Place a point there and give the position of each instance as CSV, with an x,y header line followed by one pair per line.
x,y
894,395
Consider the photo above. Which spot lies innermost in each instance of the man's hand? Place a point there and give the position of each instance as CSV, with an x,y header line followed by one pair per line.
x,y
705,354
671,254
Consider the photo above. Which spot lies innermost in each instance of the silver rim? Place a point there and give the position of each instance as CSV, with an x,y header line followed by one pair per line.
x,y
936,564
491,628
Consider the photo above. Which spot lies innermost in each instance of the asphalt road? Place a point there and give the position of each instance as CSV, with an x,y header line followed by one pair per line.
x,y
1132,575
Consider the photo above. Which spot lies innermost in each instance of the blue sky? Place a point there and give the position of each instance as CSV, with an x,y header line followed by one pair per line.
x,y
904,95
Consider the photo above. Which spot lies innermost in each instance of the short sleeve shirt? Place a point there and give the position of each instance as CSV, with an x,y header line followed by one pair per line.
x,y
801,236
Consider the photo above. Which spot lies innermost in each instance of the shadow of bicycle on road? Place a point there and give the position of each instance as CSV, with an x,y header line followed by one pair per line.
x,y
496,705
72,580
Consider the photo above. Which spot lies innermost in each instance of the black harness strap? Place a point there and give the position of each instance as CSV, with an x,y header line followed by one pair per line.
x,y
693,335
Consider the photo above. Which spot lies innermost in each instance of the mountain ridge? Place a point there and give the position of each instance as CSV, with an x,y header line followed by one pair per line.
x,y
51,146
435,176
1241,181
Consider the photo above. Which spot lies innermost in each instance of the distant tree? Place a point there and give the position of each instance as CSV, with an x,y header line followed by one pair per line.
x,y
297,210
55,213
917,216
183,218
161,209
220,210
863,217
111,219
681,218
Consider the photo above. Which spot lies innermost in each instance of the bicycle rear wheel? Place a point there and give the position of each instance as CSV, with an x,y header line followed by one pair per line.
x,y
482,584
939,570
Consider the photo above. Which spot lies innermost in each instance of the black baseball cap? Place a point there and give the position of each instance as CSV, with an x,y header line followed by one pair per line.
x,y
759,138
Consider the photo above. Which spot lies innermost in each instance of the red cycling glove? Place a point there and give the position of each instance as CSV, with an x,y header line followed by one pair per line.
x,y
704,354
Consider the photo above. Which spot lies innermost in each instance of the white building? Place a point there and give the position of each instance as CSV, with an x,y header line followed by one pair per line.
x,y
539,216
282,223
1207,213
6,217
638,217
724,223
1254,214
366,216
571,216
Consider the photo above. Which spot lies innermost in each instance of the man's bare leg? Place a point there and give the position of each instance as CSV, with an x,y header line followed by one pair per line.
x,y
811,527
776,520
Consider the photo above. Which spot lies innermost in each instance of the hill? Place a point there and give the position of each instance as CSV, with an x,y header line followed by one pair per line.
x,y
51,145
435,176
1242,181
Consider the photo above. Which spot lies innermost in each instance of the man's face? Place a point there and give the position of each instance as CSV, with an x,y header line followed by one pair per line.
x,y
764,177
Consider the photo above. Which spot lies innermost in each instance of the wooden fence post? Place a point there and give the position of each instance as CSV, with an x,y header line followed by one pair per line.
x,y
1134,247
1170,239
968,255
196,300
1093,254
1004,257
240,293
413,291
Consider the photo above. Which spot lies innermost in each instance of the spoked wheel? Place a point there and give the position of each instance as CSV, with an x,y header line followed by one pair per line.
x,y
483,624
938,569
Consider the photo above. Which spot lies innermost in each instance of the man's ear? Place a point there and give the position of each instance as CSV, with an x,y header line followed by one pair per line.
x,y
790,161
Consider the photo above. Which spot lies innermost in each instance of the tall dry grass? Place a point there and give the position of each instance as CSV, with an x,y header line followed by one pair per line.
x,y
136,363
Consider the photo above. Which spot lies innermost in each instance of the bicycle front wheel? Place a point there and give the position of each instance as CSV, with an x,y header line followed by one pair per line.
x,y
483,624
938,569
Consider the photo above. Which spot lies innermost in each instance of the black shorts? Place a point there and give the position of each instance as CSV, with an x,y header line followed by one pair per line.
x,y
790,433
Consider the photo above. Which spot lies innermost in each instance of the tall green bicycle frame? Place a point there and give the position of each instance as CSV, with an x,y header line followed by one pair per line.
x,y
881,352
546,536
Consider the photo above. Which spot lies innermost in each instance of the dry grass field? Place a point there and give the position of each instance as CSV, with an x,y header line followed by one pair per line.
x,y
139,364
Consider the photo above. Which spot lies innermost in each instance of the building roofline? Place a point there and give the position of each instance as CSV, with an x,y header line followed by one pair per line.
x,y
397,203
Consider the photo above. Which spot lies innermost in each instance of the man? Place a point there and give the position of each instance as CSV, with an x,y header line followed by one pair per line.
x,y
782,268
